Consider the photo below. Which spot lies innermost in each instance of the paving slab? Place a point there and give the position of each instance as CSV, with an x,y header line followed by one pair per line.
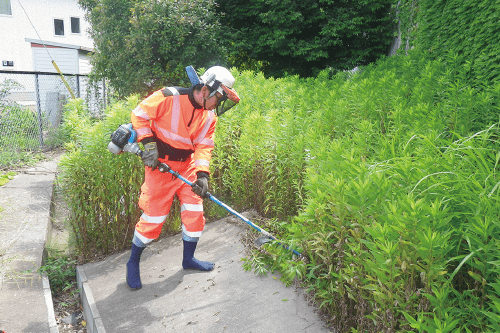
x,y
227,299
25,298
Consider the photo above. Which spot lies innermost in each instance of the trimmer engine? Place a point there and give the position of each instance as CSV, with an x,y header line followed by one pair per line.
x,y
124,140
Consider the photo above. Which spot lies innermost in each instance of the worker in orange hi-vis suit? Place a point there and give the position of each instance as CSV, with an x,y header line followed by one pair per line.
x,y
176,126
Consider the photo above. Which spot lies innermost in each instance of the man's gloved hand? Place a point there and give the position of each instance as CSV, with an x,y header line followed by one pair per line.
x,y
150,155
200,186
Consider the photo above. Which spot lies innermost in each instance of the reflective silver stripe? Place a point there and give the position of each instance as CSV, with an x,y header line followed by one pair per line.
x,y
205,129
176,114
143,131
143,239
207,142
172,136
153,219
139,112
191,207
191,233
202,163
173,91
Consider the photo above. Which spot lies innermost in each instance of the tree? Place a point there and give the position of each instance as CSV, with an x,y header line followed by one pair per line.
x,y
143,45
303,37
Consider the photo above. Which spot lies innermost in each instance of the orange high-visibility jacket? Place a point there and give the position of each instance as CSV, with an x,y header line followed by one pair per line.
x,y
172,116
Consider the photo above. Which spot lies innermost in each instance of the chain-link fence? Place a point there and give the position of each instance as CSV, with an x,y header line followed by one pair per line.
x,y
31,105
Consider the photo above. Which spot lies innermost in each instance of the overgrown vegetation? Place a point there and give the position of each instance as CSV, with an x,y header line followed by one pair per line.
x,y
17,124
386,179
475,37
395,175
101,189
21,130
61,272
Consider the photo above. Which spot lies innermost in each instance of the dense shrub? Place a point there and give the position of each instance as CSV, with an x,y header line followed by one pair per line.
x,y
101,189
386,179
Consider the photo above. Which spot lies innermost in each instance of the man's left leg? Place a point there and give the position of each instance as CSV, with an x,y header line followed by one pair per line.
x,y
193,223
189,261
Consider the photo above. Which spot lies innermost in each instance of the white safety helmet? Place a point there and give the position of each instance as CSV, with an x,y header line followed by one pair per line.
x,y
215,76
220,80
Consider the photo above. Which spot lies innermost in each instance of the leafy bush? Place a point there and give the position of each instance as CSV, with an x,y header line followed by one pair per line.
x,y
101,189
283,38
143,44
475,37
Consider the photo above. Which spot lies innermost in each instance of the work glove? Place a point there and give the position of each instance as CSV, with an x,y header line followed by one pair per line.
x,y
200,186
150,155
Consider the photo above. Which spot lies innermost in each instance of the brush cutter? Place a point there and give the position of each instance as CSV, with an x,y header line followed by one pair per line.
x,y
123,140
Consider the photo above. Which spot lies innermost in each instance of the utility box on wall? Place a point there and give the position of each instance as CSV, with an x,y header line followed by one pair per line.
x,y
7,63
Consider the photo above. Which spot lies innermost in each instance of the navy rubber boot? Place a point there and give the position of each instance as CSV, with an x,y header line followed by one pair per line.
x,y
133,273
189,261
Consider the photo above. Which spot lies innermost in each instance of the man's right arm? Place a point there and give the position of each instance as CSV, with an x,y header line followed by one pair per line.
x,y
144,113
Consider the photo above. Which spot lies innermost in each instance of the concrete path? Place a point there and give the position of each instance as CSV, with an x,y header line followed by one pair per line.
x,y
25,298
227,299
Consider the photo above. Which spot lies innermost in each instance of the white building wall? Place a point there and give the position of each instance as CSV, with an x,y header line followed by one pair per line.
x,y
16,28
84,63
66,59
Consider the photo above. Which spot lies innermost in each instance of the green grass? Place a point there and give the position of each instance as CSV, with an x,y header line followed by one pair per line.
x,y
5,177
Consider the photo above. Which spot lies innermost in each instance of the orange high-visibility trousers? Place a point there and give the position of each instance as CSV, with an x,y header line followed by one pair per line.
x,y
157,194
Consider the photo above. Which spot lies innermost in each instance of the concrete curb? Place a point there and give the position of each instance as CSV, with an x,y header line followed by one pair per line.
x,y
90,312
50,304
47,292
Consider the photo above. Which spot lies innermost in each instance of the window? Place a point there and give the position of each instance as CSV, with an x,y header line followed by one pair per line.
x,y
75,25
5,7
58,27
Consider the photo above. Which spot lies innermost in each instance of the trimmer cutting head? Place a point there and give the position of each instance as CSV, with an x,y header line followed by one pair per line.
x,y
262,240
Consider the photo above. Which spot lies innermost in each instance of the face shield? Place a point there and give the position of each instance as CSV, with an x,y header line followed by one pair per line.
x,y
229,99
